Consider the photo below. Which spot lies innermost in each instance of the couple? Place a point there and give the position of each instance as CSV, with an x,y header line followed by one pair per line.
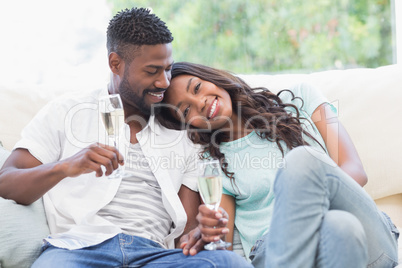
x,y
320,217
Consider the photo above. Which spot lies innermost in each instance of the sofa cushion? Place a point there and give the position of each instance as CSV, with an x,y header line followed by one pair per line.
x,y
3,155
22,230
24,102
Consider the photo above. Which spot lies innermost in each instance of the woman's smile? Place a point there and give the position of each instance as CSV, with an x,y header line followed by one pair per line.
x,y
213,109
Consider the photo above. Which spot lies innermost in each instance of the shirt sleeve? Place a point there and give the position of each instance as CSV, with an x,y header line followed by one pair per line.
x,y
311,96
307,97
41,136
226,192
190,176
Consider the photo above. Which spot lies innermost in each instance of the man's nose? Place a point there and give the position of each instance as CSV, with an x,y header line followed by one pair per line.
x,y
163,80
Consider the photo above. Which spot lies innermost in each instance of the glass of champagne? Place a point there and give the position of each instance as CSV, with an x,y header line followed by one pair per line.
x,y
112,114
210,188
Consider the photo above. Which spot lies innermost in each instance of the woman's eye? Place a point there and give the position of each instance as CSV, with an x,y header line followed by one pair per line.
x,y
197,87
186,112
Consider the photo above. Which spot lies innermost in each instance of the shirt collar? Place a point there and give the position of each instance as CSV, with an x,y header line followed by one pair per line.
x,y
154,125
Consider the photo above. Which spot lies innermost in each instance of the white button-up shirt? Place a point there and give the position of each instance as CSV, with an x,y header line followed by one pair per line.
x,y
67,125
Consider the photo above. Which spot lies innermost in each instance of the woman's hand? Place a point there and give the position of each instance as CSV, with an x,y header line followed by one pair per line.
x,y
212,224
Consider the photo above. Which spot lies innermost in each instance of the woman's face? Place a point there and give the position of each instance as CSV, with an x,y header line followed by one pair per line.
x,y
199,103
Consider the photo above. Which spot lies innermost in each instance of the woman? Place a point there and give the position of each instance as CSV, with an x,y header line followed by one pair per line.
x,y
294,179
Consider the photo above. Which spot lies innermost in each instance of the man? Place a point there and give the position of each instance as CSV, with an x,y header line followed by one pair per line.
x,y
101,222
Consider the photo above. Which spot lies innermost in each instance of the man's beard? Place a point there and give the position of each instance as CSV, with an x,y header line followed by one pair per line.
x,y
138,101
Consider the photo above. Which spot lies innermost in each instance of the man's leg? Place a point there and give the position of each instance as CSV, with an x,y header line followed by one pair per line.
x,y
142,252
126,251
106,254
174,258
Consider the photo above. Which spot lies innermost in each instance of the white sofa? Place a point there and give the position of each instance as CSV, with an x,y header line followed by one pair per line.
x,y
368,102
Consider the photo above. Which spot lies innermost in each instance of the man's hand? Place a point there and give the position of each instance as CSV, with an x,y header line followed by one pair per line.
x,y
192,243
92,159
25,179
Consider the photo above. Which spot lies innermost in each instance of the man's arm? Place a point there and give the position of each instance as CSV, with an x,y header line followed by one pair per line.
x,y
190,200
25,179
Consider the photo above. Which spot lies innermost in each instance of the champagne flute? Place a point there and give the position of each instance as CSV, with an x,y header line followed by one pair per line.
x,y
210,188
112,114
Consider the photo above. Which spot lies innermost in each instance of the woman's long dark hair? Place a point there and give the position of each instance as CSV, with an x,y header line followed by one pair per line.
x,y
263,111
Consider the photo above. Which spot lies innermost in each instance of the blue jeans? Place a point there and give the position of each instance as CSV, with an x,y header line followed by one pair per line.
x,y
132,251
323,218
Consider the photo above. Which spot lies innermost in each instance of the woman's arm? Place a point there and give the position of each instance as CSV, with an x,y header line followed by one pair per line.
x,y
338,142
228,204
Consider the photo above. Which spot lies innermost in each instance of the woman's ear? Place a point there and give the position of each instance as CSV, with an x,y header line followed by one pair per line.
x,y
116,63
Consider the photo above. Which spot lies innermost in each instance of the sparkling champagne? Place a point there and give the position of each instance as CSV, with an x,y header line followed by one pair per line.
x,y
211,190
113,121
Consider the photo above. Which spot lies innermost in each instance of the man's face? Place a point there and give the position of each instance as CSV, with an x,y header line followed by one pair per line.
x,y
147,77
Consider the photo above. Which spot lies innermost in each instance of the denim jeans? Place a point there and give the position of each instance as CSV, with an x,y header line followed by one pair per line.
x,y
132,251
323,218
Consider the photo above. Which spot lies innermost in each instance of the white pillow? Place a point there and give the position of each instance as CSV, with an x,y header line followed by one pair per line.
x,y
22,229
3,155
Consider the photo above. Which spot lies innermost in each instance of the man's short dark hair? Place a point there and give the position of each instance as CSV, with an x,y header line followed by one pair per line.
x,y
132,28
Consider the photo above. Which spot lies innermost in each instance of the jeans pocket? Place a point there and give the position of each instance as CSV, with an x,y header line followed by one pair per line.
x,y
383,262
255,248
45,245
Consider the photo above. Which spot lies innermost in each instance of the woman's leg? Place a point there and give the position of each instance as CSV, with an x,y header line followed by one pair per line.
x,y
342,241
307,188
337,228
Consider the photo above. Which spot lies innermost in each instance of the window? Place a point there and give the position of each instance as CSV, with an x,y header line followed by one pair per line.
x,y
251,36
54,43
397,6
47,42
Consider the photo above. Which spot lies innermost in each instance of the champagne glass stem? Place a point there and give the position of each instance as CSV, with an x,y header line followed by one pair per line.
x,y
210,188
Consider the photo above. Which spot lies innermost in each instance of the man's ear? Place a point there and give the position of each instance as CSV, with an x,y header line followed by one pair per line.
x,y
116,63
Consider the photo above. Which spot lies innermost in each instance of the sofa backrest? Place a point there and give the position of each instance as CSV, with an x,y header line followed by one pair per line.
x,y
368,102
369,106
